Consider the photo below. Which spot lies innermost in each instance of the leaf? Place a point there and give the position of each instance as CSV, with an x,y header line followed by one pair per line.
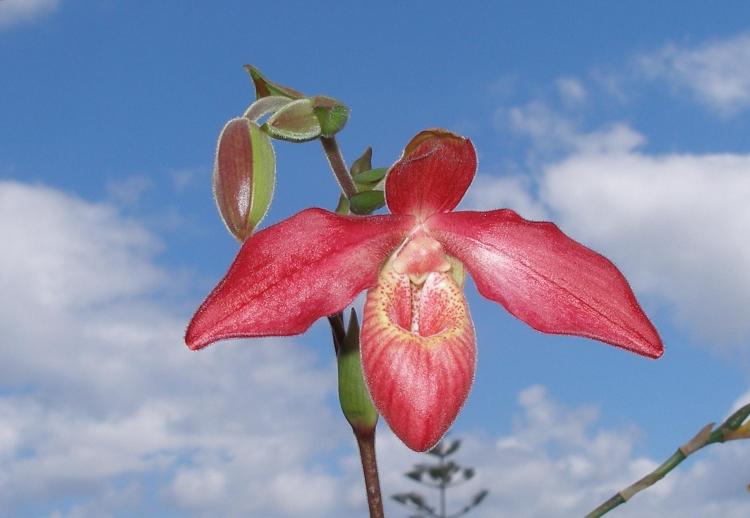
x,y
417,499
343,205
438,474
437,450
264,87
479,497
453,447
363,163
416,475
401,497
737,418
370,176
366,202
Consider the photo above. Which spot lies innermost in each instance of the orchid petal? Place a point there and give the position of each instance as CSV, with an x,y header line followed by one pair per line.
x,y
287,276
546,279
418,355
432,175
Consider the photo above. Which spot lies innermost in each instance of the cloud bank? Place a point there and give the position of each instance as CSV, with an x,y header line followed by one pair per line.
x,y
716,73
104,412
14,12
561,461
99,394
675,223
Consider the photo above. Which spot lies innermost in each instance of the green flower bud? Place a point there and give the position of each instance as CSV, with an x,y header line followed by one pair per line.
x,y
353,394
244,176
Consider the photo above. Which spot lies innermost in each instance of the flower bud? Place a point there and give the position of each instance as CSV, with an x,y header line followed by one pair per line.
x,y
295,122
331,114
353,394
265,106
244,176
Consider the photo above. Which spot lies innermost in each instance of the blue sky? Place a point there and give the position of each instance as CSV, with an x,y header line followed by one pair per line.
x,y
624,123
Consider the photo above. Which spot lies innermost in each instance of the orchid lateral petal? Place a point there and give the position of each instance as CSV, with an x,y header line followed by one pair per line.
x,y
554,284
290,274
432,175
418,355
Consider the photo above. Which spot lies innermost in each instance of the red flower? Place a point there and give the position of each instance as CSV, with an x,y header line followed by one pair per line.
x,y
417,338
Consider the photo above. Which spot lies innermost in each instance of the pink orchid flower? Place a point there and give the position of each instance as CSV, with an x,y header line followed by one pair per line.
x,y
417,340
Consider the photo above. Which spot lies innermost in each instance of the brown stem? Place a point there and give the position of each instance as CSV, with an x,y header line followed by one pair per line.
x,y
366,443
338,166
365,438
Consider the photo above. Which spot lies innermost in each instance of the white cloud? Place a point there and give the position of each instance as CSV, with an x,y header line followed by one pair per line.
x,y
675,223
184,178
717,73
571,90
103,411
561,461
553,132
62,249
97,385
537,121
18,11
129,190
511,191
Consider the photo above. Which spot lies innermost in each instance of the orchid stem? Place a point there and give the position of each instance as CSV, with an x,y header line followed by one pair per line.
x,y
338,166
731,429
365,438
366,443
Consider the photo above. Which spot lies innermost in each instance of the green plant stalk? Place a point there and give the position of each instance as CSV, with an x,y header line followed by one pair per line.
x,y
365,438
730,430
647,481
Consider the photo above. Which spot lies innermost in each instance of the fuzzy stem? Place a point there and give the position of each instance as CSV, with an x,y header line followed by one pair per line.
x,y
338,166
730,430
365,438
366,443
647,481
